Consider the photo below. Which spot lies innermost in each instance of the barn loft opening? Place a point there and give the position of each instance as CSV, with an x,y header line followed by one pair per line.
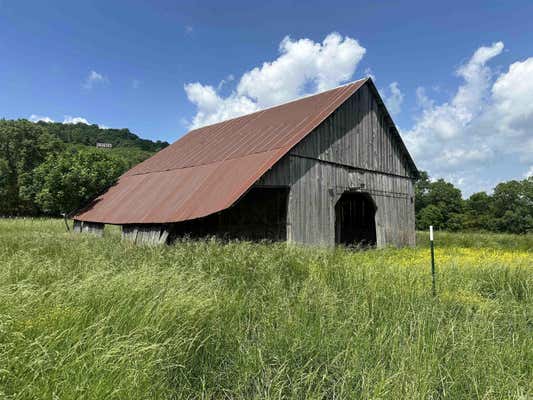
x,y
261,214
355,223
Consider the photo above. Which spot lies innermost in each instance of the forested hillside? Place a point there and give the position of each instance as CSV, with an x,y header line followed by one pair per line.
x,y
53,168
89,135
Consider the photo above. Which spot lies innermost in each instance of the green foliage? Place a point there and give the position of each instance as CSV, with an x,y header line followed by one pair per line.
x,y
130,155
438,203
23,146
477,212
422,188
85,318
66,182
429,215
509,209
513,206
89,135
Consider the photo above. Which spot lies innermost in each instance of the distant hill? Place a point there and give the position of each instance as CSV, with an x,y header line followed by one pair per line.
x,y
89,135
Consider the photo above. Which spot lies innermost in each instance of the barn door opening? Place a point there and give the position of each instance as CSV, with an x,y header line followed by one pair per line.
x,y
260,214
355,222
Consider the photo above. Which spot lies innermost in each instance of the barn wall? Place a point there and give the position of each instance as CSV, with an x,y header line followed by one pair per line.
x,y
352,150
357,134
316,187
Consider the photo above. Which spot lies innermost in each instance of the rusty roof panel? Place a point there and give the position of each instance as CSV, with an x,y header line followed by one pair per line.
x,y
210,168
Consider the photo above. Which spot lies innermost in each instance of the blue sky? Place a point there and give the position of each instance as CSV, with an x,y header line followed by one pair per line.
x,y
458,75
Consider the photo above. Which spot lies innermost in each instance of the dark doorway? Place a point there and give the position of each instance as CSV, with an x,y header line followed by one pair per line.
x,y
355,223
261,214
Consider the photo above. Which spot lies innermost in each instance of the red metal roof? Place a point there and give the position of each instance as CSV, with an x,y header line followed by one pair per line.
x,y
210,168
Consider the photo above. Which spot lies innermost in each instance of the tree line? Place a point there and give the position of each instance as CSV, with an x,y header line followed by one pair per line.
x,y
53,168
508,209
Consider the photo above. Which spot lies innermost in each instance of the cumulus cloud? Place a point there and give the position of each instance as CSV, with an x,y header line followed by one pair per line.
x,y
37,118
512,94
93,79
303,67
75,120
211,107
447,120
394,98
66,120
488,117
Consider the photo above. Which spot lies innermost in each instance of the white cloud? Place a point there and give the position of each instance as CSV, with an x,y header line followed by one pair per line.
x,y
513,99
66,120
92,79
213,108
394,100
458,156
37,118
75,120
422,99
488,118
303,67
447,120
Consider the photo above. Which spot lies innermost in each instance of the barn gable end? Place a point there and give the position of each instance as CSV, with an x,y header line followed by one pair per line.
x,y
358,150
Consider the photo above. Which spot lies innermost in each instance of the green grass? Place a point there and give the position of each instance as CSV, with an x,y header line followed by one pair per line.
x,y
86,318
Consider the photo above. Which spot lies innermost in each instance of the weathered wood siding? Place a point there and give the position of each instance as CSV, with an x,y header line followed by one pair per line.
x,y
94,228
353,150
357,134
149,234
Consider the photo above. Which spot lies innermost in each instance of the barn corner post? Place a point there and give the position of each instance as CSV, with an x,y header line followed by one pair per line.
x,y
76,226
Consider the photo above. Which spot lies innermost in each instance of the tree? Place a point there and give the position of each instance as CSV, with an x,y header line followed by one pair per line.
x,y
23,146
429,215
513,206
65,182
422,187
478,212
445,200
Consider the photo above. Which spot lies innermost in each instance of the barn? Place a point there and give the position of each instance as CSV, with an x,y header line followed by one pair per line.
x,y
322,170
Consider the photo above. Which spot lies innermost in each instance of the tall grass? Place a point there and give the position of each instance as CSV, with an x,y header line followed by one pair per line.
x,y
86,318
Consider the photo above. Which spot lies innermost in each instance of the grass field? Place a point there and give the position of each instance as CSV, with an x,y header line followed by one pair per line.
x,y
86,318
